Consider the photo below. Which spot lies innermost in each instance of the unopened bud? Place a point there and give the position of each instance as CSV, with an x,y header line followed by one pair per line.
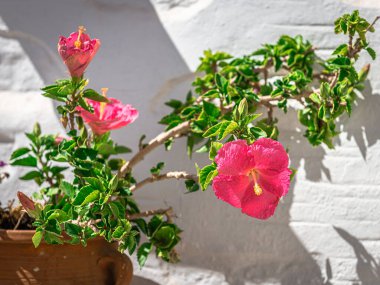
x,y
26,202
64,121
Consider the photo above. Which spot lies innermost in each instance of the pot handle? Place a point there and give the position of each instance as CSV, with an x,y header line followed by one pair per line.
x,y
118,265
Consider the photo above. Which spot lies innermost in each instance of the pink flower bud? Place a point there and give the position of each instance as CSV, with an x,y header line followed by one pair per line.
x,y
77,51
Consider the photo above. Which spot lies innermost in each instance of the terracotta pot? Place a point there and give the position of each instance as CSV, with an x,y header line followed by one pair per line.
x,y
99,263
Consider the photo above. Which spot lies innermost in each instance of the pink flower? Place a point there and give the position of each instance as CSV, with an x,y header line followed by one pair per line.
x,y
26,202
58,139
77,51
252,177
108,116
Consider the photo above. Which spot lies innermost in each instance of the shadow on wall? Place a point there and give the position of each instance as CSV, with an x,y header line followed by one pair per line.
x,y
368,270
366,133
142,281
222,239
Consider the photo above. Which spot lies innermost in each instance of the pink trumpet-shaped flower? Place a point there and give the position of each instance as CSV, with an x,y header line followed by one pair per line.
x,y
252,177
108,116
77,51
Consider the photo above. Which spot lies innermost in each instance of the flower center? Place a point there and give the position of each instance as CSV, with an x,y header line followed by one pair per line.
x,y
256,186
81,30
103,104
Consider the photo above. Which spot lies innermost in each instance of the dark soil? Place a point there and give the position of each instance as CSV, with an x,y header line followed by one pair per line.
x,y
10,216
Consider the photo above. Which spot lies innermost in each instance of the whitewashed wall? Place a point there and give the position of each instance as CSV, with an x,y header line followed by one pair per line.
x,y
326,231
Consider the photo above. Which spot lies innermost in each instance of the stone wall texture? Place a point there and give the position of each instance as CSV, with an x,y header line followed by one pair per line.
x,y
326,231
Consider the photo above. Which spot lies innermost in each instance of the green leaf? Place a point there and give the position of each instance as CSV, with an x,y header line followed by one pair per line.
x,y
85,192
206,174
215,146
122,149
58,215
95,183
19,152
191,185
143,252
175,104
157,169
84,105
67,188
73,230
226,129
221,129
29,161
293,174
322,112
211,110
91,197
118,232
325,90
243,107
37,237
221,83
31,175
213,93
371,52
315,98
112,185
258,132
93,95
342,50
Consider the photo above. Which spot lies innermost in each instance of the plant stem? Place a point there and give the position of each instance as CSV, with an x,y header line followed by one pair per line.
x,y
157,141
167,212
169,175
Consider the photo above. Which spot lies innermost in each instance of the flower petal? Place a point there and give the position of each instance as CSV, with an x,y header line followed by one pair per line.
x,y
277,184
269,155
230,189
233,158
260,207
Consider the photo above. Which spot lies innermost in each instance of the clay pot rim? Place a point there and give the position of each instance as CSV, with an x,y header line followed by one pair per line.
x,y
25,236
16,235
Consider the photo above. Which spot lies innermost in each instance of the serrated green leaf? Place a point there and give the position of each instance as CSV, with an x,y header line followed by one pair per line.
x,y
37,237
206,174
215,146
315,98
93,95
221,83
258,132
371,52
143,252
31,175
29,161
221,129
84,192
211,110
19,152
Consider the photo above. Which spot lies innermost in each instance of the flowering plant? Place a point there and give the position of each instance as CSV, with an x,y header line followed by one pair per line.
x,y
249,168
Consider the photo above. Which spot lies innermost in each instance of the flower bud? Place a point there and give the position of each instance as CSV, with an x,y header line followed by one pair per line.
x,y
26,202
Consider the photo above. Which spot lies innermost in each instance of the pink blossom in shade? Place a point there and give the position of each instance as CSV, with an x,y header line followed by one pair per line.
x,y
108,116
77,51
252,177
58,139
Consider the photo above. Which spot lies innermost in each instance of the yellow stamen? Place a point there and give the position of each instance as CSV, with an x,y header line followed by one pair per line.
x,y
103,104
256,188
81,30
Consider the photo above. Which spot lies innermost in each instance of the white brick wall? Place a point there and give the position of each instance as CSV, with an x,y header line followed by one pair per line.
x,y
326,231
